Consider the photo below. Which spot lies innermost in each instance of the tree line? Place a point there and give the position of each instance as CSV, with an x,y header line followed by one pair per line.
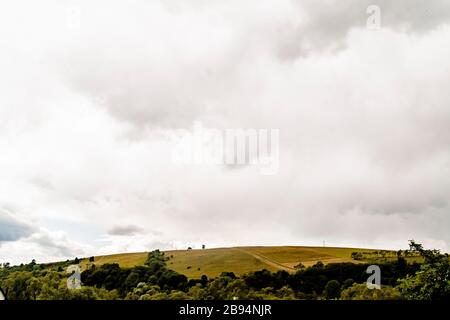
x,y
427,280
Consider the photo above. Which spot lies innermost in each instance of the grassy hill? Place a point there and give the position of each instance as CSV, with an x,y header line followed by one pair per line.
x,y
240,260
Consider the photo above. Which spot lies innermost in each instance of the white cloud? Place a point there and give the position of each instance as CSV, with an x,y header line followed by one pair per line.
x,y
363,118
43,246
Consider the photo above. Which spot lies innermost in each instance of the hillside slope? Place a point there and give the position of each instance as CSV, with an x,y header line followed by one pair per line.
x,y
240,260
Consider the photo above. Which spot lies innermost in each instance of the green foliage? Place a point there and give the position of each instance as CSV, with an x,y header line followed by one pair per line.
x,y
299,266
332,289
49,285
61,292
357,256
16,286
432,281
348,283
360,291
155,281
124,280
155,256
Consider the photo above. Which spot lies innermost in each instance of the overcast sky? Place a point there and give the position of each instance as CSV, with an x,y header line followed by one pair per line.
x,y
91,90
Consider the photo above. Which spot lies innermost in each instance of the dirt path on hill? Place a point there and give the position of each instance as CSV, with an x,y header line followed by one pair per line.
x,y
267,261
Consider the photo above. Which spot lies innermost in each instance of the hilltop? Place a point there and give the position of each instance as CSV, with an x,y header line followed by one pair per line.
x,y
241,260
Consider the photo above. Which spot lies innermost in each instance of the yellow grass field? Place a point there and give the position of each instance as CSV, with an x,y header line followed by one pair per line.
x,y
240,260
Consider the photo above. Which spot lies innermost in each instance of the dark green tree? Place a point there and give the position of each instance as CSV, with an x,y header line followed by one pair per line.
x,y
432,281
332,290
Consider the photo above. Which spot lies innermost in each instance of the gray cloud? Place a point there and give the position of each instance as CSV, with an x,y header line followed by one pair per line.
x,y
42,183
55,246
136,81
128,230
33,241
326,26
12,229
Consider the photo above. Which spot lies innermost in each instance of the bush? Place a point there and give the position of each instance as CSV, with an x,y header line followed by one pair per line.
x,y
332,289
362,292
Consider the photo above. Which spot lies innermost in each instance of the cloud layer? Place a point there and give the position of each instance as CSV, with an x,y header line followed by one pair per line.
x,y
11,229
92,93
